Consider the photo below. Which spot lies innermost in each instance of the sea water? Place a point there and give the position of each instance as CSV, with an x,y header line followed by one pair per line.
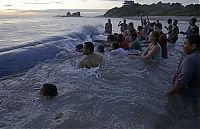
x,y
122,94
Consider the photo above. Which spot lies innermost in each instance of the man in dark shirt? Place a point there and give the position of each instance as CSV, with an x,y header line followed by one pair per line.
x,y
187,84
193,28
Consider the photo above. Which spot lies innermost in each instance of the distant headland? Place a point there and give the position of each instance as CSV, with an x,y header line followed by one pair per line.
x,y
129,8
76,14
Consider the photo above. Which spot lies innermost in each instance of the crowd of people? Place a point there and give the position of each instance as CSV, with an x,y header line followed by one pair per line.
x,y
186,81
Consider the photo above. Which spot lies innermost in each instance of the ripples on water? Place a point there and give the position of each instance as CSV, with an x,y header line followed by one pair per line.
x,y
123,93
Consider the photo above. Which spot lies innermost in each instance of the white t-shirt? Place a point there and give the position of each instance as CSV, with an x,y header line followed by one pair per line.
x,y
119,52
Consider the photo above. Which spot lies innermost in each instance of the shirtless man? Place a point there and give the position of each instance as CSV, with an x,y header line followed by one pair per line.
x,y
90,59
108,27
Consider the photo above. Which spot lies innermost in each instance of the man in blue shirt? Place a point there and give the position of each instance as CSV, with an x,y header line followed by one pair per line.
x,y
187,83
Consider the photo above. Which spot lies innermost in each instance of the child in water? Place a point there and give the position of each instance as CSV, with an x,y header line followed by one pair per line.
x,y
48,90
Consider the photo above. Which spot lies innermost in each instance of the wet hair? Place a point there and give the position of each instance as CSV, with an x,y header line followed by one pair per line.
x,y
90,46
156,35
100,48
194,39
79,46
152,24
194,20
158,25
49,90
111,37
115,45
169,21
134,36
120,38
139,28
176,21
131,24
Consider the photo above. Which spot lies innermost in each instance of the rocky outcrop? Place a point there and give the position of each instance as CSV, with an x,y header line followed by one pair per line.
x,y
76,14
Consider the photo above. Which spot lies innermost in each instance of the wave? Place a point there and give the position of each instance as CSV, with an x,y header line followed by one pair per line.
x,y
19,58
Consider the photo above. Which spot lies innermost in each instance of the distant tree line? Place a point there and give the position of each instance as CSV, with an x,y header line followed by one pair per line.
x,y
159,9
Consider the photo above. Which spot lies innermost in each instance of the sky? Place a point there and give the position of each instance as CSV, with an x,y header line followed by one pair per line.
x,y
76,4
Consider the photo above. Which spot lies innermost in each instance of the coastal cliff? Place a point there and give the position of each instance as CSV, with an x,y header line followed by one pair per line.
x,y
159,9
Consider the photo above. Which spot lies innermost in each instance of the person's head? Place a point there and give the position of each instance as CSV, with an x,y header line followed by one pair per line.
x,y
79,47
49,90
109,20
134,36
140,28
175,22
115,45
120,38
124,20
191,44
169,21
157,21
158,27
154,37
130,25
110,38
100,48
193,21
88,48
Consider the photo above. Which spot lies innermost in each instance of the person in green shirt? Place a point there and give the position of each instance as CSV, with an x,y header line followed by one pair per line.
x,y
193,29
135,43
173,36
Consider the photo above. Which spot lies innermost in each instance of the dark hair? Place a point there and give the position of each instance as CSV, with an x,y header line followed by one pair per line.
x,y
194,39
111,37
115,45
79,46
120,38
156,35
139,28
90,46
194,20
131,24
158,25
49,90
169,21
100,48
152,24
134,36
176,21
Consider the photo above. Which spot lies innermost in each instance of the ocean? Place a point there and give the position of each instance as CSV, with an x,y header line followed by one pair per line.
x,y
122,94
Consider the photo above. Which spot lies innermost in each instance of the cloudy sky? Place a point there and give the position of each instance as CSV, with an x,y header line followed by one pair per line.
x,y
76,4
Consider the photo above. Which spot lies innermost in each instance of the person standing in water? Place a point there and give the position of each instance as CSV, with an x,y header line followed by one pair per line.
x,y
193,28
187,81
108,27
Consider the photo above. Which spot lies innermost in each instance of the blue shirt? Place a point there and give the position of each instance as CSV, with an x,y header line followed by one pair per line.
x,y
189,77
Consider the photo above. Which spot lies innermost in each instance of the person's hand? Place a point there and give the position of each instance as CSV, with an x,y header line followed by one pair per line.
x,y
131,56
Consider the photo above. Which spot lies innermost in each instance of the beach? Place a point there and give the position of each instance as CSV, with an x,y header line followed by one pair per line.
x,y
123,93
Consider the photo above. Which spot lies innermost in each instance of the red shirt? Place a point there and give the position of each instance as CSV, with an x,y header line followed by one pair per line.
x,y
124,44
163,44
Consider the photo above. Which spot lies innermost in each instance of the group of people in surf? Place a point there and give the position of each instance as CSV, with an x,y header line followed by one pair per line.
x,y
186,81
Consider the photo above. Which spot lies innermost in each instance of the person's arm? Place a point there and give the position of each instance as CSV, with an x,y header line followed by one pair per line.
x,y
146,50
119,24
174,89
150,54
186,72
